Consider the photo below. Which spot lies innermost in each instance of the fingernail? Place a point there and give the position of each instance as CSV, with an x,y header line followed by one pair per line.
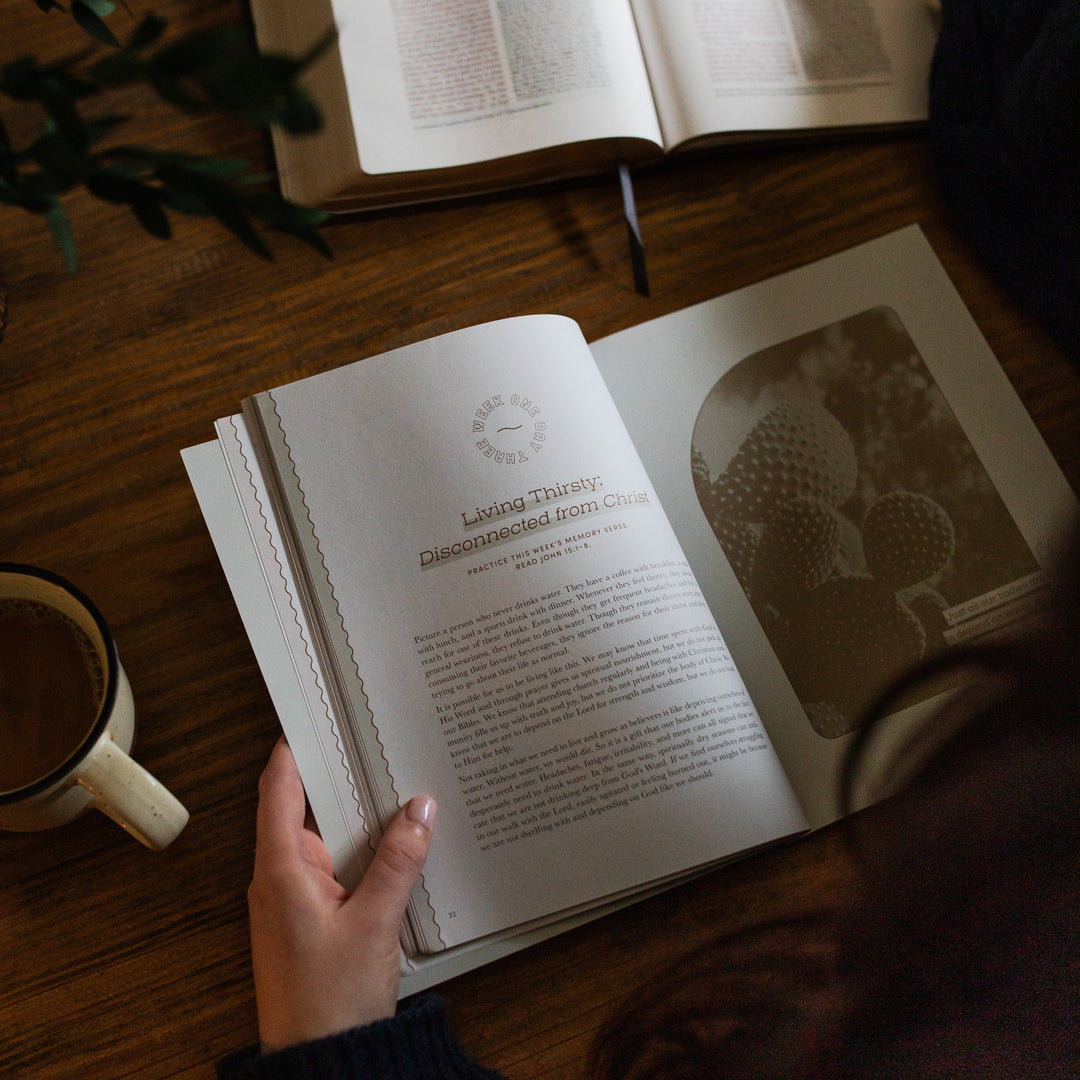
x,y
421,811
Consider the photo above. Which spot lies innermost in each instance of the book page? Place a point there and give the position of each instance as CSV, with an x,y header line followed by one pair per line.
x,y
261,604
854,482
245,537
439,83
516,629
737,66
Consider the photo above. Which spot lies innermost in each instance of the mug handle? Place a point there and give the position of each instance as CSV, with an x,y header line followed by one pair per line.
x,y
124,791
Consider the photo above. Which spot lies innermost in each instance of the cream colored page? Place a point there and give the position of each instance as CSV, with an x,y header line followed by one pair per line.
x,y
532,646
231,500
770,65
439,83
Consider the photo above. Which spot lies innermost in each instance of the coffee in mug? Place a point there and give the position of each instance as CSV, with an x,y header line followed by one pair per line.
x,y
67,717
48,667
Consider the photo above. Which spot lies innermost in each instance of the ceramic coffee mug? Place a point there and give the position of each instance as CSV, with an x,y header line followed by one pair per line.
x,y
67,718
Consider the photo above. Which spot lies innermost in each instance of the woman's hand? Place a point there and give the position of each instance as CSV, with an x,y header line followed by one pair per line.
x,y
325,960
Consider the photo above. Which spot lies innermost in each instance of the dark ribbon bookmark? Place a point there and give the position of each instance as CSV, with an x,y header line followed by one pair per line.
x,y
637,247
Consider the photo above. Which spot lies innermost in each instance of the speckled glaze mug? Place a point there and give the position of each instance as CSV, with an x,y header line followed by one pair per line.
x,y
67,716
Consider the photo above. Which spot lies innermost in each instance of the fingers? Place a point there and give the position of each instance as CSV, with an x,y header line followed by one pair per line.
x,y
325,960
399,859
280,845
282,807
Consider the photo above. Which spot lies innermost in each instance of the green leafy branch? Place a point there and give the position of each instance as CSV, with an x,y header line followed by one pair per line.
x,y
208,70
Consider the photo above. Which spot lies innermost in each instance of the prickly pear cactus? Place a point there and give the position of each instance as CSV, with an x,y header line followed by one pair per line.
x,y
907,538
699,469
780,512
739,541
929,607
850,638
797,449
797,551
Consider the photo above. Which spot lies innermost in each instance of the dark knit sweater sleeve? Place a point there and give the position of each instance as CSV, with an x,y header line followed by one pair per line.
x,y
1005,136
416,1044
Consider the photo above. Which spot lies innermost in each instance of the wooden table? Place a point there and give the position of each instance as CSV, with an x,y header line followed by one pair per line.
x,y
118,962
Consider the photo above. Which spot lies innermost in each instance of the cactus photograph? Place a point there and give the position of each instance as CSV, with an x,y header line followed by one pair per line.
x,y
852,508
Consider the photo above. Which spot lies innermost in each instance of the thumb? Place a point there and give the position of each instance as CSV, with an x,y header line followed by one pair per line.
x,y
383,891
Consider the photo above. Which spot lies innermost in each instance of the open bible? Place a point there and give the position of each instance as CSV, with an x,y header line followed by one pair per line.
x,y
428,99
618,608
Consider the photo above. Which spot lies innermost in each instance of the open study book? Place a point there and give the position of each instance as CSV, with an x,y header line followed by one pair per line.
x,y
618,608
428,99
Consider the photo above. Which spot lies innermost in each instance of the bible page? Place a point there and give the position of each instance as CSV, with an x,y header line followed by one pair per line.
x,y
441,83
518,632
741,66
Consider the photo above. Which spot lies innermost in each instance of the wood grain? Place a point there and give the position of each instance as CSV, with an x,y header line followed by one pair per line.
x,y
116,962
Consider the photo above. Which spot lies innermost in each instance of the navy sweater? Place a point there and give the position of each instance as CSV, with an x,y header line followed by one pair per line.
x,y
416,1044
1005,137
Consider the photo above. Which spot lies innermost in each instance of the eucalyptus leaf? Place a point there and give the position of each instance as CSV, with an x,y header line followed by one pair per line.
x,y
60,227
119,68
117,188
153,218
310,236
292,219
174,91
281,213
84,13
185,202
300,115
147,32
231,214
195,165
26,196
214,69
202,49
102,127
59,158
318,48
26,79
